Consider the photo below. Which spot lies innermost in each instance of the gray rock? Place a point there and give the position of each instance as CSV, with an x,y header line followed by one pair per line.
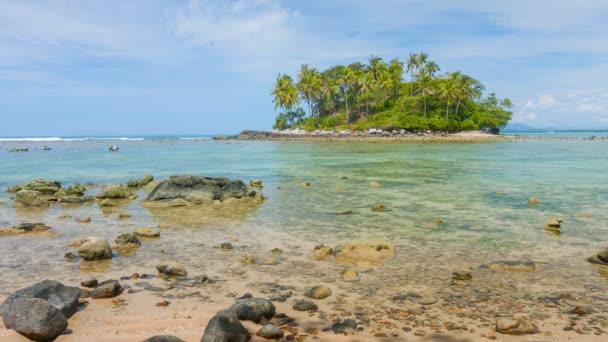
x,y
225,327
94,248
172,269
163,338
75,199
114,191
305,305
253,309
270,332
107,289
64,298
348,326
89,283
35,319
30,198
199,189
127,238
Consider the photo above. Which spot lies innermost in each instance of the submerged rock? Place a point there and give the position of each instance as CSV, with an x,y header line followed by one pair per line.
x,y
72,190
200,189
26,228
318,292
64,298
247,259
600,258
127,238
554,224
511,326
515,265
253,309
461,277
321,252
84,219
147,232
107,289
270,332
349,275
94,248
172,269
114,191
35,319
379,207
225,327
305,305
533,201
374,184
30,198
364,254
163,338
75,199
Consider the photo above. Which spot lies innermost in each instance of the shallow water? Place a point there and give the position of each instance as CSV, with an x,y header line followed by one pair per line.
x,y
479,191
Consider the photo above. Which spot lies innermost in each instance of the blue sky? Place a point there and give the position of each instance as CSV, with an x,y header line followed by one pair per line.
x,y
203,66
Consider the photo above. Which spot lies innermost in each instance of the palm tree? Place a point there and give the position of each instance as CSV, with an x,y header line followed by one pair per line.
x,y
430,68
308,85
395,70
328,89
425,87
421,59
376,66
285,93
466,87
447,91
346,77
366,86
412,64
385,83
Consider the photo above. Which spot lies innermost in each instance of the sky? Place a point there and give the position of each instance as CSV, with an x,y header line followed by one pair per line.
x,y
207,66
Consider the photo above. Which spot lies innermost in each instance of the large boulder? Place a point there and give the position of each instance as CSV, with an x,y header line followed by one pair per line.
x,y
225,327
64,298
253,309
30,198
94,248
364,254
114,191
35,319
107,289
200,189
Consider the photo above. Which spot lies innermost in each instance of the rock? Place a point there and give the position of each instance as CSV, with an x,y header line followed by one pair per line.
x,y
374,184
89,283
256,183
64,298
318,292
70,256
270,332
350,275
14,188
26,228
516,266
43,186
520,326
225,327
600,258
163,338
533,201
346,327
127,238
75,199
123,215
253,309
379,207
270,261
247,259
35,319
321,252
147,179
30,198
364,254
199,189
305,184
344,212
147,232
94,248
73,190
462,275
553,224
305,305
226,246
172,269
133,183
107,289
427,300
114,191
276,251
84,220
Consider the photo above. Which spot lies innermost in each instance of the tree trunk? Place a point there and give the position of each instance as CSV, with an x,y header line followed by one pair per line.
x,y
424,106
447,111
412,82
346,101
457,106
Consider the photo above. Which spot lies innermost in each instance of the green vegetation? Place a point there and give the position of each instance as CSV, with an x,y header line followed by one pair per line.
x,y
360,96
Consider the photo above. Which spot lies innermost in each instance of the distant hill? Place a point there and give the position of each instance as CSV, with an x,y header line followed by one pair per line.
x,y
519,127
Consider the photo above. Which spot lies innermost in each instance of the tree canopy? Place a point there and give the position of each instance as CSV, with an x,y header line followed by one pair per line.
x,y
376,94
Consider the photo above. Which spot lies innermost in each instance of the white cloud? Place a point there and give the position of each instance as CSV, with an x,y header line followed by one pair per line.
x,y
544,101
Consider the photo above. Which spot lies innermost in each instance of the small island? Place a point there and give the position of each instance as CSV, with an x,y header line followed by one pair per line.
x,y
359,97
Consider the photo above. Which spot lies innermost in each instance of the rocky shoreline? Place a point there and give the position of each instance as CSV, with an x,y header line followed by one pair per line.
x,y
388,136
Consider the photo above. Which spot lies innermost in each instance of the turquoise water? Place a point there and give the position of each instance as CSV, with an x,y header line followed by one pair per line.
x,y
479,191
